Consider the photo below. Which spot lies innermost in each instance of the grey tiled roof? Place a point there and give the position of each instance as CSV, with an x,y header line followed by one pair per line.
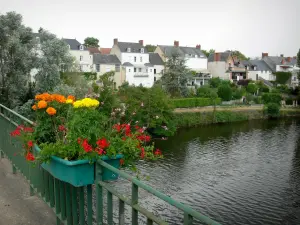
x,y
168,50
272,61
224,56
106,59
134,47
260,65
127,64
74,44
155,59
148,64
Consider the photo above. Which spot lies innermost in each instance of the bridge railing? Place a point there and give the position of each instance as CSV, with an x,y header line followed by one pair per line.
x,y
78,205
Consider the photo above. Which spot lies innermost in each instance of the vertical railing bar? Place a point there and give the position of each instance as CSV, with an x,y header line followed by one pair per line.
x,y
134,200
68,204
74,205
62,197
121,212
46,180
43,183
51,190
109,208
149,221
57,202
99,204
89,204
188,219
81,206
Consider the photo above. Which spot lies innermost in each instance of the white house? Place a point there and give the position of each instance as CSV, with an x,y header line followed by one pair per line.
x,y
82,55
259,69
158,64
135,62
195,59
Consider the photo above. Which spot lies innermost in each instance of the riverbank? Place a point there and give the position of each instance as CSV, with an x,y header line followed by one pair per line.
x,y
190,117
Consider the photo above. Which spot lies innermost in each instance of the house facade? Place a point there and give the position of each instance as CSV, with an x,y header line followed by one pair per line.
x,y
196,60
226,66
158,64
134,58
81,54
259,70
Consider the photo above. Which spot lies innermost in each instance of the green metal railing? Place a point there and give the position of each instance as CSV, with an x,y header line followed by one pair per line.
x,y
76,205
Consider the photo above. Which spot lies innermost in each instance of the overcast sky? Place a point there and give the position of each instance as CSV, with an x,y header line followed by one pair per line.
x,y
251,26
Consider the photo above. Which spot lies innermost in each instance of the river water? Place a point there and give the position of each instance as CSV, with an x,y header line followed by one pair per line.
x,y
238,173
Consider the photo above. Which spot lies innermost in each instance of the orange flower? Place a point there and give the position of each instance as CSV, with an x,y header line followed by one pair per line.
x,y
44,96
58,98
51,111
42,104
71,97
34,107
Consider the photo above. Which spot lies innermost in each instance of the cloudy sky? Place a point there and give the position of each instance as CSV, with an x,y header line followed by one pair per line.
x,y
251,26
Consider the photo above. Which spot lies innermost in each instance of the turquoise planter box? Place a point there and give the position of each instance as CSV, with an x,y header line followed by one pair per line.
x,y
81,172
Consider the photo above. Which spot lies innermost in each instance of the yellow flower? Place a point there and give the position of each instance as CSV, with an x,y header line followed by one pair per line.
x,y
86,102
42,104
69,101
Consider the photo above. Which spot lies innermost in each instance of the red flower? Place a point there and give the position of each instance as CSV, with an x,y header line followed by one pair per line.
x,y
30,144
86,146
157,152
136,127
15,133
102,143
145,138
61,128
122,161
100,151
117,127
30,156
142,153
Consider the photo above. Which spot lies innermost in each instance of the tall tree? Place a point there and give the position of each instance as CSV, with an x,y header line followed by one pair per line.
x,y
175,79
207,53
53,56
239,55
16,58
91,42
150,48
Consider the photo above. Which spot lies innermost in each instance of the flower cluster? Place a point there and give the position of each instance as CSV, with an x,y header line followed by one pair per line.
x,y
86,102
101,145
54,97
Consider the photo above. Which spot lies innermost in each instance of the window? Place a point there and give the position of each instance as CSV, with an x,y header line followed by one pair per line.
x,y
142,51
98,67
140,69
154,71
117,68
134,69
141,59
115,85
129,70
295,78
150,70
128,49
154,78
69,46
134,58
81,58
81,47
90,56
80,68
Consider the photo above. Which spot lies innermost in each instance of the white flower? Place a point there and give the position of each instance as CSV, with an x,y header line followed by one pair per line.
x,y
142,104
157,117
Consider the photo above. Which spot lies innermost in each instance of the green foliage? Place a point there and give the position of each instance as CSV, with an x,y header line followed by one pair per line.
x,y
150,48
90,76
174,80
272,110
206,92
149,107
238,93
215,82
195,102
257,100
239,55
91,42
271,98
289,101
207,53
284,89
283,77
252,88
225,92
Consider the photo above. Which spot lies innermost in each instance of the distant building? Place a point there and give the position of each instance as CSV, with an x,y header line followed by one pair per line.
x,y
158,65
136,66
196,60
259,70
82,55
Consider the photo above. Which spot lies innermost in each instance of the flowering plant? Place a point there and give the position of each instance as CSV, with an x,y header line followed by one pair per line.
x,y
74,130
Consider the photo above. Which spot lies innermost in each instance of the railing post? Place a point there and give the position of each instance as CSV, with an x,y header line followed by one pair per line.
x,y
14,170
134,200
99,193
188,219
1,154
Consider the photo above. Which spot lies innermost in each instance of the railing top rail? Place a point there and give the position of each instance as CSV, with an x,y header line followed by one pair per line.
x,y
17,114
160,195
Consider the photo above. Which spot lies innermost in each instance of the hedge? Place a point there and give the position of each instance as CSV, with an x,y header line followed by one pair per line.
x,y
195,102
271,98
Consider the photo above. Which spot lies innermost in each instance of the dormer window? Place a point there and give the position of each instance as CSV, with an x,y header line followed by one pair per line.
x,y
128,49
196,56
81,47
69,46
142,50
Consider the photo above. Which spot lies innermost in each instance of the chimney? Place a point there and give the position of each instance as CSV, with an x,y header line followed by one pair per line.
x,y
141,42
289,59
176,43
115,41
217,56
264,54
281,55
198,46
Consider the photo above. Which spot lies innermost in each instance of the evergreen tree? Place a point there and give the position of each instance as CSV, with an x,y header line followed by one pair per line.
x,y
91,42
175,79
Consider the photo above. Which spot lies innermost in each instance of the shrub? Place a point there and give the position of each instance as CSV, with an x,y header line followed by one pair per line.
x,y
195,102
257,100
252,88
271,98
282,77
206,92
289,101
272,110
225,92
238,93
215,82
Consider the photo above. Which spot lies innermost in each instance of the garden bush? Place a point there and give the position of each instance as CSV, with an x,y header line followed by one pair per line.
x,y
225,92
252,88
206,92
271,98
272,110
195,102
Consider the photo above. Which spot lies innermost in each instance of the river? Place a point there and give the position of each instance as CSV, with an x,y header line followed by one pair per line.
x,y
238,173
